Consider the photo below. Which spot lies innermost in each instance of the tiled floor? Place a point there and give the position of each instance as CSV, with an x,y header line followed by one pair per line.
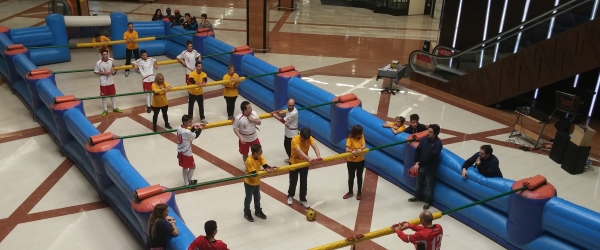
x,y
48,203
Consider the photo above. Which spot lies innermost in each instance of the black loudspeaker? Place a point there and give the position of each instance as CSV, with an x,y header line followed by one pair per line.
x,y
426,45
563,124
559,146
575,158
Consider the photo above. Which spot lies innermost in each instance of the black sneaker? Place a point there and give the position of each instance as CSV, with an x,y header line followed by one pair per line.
x,y
168,126
154,128
193,182
414,199
260,214
426,206
148,109
248,217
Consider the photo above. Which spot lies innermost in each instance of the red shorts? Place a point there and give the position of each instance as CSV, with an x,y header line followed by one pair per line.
x,y
108,90
185,161
147,86
245,148
187,78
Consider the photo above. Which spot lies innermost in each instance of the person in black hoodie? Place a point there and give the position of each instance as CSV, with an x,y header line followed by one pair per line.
x,y
426,162
176,19
484,161
157,15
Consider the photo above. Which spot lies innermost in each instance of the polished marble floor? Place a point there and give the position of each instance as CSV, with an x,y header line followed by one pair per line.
x,y
48,203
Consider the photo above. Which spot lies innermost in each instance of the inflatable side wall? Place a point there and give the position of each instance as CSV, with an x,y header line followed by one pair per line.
x,y
553,223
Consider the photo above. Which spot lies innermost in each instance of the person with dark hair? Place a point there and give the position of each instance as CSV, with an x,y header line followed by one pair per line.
x,y
427,236
188,58
176,19
157,15
204,23
198,78
168,15
415,126
186,21
484,161
101,39
300,145
161,226
252,184
208,242
397,126
355,163
131,46
105,68
159,101
185,135
244,126
291,125
146,66
427,162
230,90
192,24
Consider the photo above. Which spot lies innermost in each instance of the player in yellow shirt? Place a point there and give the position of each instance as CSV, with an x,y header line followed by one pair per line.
x,y
230,92
131,46
397,126
356,163
159,100
300,145
101,39
199,78
252,184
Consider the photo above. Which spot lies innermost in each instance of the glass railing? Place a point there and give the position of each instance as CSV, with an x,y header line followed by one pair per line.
x,y
446,63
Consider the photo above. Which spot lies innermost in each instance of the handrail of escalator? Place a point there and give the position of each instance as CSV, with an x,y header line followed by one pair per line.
x,y
494,40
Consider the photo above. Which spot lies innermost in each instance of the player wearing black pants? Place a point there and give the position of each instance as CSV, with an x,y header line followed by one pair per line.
x,y
230,100
200,100
165,116
128,52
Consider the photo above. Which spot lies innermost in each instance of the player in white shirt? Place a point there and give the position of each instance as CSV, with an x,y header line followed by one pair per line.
x,y
188,59
291,125
244,126
145,66
104,68
186,133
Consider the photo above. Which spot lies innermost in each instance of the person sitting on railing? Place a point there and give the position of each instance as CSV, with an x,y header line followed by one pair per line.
x,y
157,15
176,19
186,21
193,24
208,242
204,23
160,226
484,161
415,126
397,126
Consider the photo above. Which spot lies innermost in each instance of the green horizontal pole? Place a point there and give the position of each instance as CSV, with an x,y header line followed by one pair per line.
x,y
484,200
318,105
117,95
261,75
218,54
72,71
147,134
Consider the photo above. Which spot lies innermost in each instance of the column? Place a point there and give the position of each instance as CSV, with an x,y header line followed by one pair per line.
x,y
257,12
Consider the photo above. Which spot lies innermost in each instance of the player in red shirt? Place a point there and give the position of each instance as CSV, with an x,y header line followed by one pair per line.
x,y
428,236
208,242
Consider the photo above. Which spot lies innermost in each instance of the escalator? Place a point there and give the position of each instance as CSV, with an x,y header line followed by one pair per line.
x,y
558,44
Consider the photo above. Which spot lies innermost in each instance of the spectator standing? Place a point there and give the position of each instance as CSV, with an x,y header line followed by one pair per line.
x,y
427,162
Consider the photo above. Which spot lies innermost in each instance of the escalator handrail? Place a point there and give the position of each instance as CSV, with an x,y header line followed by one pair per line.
x,y
506,34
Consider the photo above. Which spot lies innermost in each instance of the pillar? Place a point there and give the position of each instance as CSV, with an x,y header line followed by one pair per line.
x,y
257,12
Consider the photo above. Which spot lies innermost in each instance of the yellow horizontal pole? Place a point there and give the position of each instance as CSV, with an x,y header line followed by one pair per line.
x,y
91,45
229,122
369,236
194,86
166,62
292,167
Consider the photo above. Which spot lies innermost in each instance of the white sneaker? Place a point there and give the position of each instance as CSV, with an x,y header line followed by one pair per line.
x,y
290,200
287,161
304,204
204,121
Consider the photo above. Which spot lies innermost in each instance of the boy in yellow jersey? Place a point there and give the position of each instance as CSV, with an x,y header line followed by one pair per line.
x,y
252,184
197,77
131,46
300,145
355,143
101,39
159,101
230,92
397,126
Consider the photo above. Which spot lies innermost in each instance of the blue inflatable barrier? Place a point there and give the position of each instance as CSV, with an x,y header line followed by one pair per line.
x,y
553,224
